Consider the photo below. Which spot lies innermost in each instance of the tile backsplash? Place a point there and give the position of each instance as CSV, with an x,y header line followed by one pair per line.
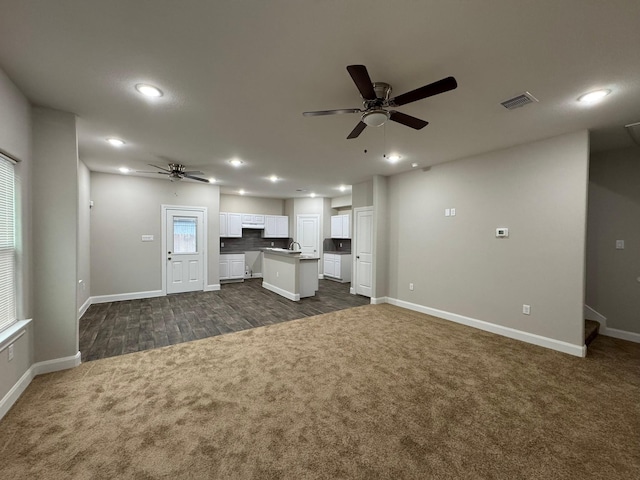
x,y
252,240
336,245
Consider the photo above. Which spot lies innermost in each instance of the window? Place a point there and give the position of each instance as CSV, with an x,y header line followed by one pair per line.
x,y
184,234
7,244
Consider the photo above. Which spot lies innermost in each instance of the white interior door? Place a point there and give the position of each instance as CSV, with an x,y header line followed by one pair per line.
x,y
309,234
364,252
185,247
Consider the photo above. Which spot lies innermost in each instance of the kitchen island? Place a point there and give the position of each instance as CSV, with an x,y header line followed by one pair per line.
x,y
290,274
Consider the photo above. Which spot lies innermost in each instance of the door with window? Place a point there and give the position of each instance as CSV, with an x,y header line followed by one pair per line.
x,y
185,247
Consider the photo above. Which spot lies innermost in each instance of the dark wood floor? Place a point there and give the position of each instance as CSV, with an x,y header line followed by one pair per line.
x,y
110,329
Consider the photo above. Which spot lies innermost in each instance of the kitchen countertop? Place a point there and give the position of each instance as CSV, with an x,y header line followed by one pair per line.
x,y
232,252
335,252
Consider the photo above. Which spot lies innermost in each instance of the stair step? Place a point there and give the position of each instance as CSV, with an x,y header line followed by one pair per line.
x,y
591,328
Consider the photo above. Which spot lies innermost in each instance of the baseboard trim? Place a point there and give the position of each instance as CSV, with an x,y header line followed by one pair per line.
x,y
85,306
291,296
39,368
352,290
379,300
56,364
321,276
212,288
255,275
558,345
119,297
621,334
591,314
18,389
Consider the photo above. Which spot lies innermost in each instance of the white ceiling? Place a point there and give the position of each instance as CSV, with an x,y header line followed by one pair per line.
x,y
237,76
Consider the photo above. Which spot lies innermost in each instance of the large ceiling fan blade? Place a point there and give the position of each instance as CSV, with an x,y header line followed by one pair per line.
x,y
193,172
196,178
331,112
408,120
357,131
161,168
362,80
430,90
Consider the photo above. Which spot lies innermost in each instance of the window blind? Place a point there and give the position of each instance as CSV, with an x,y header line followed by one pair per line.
x,y
7,244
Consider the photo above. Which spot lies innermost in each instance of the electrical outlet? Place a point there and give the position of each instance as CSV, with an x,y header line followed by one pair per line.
x,y
526,309
277,274
619,244
411,287
340,244
447,212
221,244
272,244
10,350
453,212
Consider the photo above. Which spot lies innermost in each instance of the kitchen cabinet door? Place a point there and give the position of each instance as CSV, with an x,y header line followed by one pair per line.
x,y
346,230
282,226
234,225
336,226
223,225
224,268
329,265
236,266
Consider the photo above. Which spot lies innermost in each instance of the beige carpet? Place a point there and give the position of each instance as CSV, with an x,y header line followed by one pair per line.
x,y
368,393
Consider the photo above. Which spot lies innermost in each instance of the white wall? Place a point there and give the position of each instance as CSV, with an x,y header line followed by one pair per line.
x,y
15,140
55,233
362,194
84,234
341,202
381,236
245,204
457,265
613,276
126,207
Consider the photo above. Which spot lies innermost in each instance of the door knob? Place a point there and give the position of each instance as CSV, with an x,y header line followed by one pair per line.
x,y
357,256
169,258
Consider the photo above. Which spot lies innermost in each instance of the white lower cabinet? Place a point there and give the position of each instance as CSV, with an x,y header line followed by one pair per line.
x,y
232,266
337,267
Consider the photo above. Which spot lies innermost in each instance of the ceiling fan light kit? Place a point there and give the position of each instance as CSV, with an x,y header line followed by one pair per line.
x,y
375,118
376,101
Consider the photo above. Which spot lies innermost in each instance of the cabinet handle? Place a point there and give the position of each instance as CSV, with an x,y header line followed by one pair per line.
x,y
169,258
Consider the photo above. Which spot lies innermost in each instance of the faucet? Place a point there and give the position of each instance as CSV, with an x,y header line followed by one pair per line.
x,y
294,243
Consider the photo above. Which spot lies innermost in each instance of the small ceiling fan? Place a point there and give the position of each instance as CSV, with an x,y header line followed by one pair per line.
x,y
376,101
177,172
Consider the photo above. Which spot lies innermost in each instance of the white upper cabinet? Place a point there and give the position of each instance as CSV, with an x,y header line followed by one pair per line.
x,y
230,225
276,226
340,226
251,219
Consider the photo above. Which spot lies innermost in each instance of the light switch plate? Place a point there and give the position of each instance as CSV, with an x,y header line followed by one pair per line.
x,y
620,245
147,238
447,212
453,212
526,309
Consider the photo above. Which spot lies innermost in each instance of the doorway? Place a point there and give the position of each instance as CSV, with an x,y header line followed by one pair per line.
x,y
362,278
309,234
184,248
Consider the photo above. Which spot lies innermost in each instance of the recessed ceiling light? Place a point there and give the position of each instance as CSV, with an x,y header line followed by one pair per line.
x,y
594,97
212,180
414,165
124,169
342,188
149,90
116,142
236,162
241,192
273,178
394,157
312,195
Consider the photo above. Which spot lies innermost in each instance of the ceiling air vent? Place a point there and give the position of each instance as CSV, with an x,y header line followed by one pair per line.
x,y
519,101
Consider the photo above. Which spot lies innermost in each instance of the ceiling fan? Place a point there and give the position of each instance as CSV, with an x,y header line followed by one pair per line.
x,y
177,172
376,101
